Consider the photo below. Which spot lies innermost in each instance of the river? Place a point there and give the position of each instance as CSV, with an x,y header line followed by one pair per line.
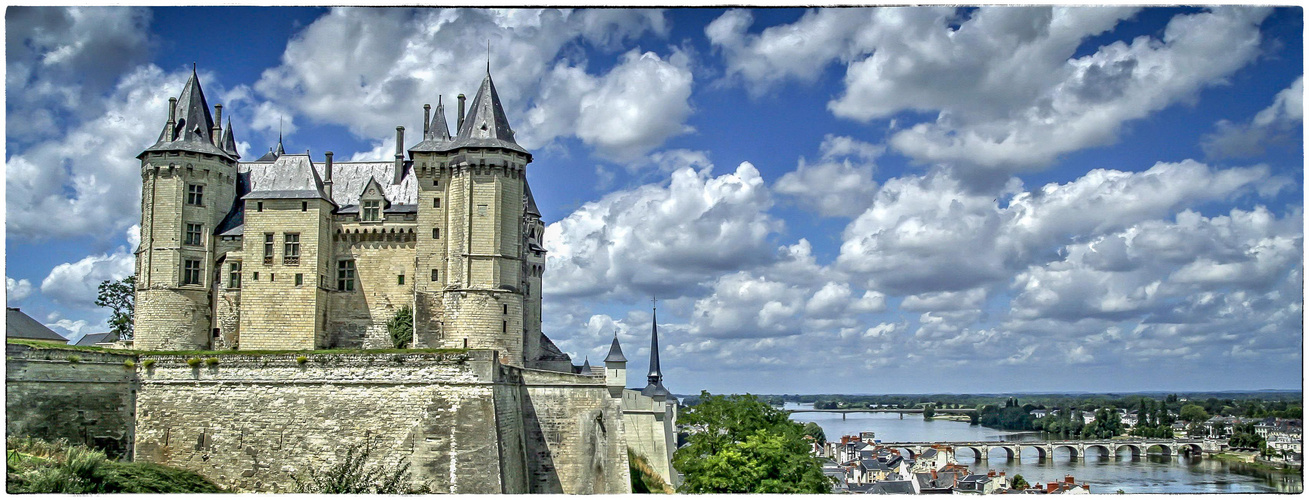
x,y
1150,474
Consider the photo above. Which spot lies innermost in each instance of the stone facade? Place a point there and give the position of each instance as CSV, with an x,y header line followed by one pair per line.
x,y
84,397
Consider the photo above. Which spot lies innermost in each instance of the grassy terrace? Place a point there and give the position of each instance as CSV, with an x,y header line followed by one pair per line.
x,y
40,344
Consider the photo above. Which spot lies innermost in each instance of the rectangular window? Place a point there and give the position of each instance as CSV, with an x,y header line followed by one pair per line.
x,y
506,308
434,275
259,206
400,279
481,210
504,327
299,279
268,249
304,206
436,233
194,234
436,203
372,211
256,276
345,275
291,249
195,194
191,272
234,276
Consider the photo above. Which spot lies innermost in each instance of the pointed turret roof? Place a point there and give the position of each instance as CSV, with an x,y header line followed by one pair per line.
x,y
531,201
615,352
655,379
485,126
438,136
194,126
586,366
279,151
229,140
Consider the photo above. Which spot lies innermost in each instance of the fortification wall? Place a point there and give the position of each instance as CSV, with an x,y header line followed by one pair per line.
x,y
88,399
647,429
574,434
253,423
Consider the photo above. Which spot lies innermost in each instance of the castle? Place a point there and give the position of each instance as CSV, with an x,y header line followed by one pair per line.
x,y
293,256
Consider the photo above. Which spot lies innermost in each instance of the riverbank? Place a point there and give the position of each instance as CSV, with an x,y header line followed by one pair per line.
x,y
1251,459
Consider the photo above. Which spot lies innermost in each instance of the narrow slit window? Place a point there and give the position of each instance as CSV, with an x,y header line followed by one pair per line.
x,y
299,279
435,275
400,279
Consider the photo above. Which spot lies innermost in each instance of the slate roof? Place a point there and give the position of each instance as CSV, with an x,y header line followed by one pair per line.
x,y
438,132
892,488
615,353
550,352
18,325
531,201
194,125
485,126
290,176
95,338
586,366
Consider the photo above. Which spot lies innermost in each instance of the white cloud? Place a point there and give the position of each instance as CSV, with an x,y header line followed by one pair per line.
x,y
77,283
657,240
89,179
835,187
1008,93
73,329
366,69
17,290
59,61
1273,124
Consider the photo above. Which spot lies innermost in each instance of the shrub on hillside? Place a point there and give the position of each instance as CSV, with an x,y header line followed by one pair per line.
x,y
37,466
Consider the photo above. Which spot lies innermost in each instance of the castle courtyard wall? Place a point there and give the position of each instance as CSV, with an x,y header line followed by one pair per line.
x,y
574,434
84,397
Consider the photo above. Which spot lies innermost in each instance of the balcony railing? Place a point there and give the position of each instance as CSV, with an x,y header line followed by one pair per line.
x,y
291,260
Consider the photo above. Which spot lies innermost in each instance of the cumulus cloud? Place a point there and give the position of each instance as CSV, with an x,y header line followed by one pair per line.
x,y
77,283
17,290
90,178
835,186
655,240
366,68
1008,91
930,234
1275,124
59,61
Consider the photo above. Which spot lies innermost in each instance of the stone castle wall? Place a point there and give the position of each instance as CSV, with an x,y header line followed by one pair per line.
x,y
575,438
84,397
648,428
358,319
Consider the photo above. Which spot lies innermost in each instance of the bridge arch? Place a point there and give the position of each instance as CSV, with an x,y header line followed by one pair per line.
x,y
1073,452
1189,448
1164,449
1040,452
1010,452
1136,450
979,453
1103,451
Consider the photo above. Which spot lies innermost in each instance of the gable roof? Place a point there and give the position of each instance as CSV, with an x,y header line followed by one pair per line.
x,y
95,338
18,325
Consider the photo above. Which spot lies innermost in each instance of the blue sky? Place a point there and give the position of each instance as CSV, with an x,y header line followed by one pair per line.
x,y
881,200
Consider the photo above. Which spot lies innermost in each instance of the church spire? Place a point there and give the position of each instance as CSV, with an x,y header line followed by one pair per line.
x,y
279,151
655,379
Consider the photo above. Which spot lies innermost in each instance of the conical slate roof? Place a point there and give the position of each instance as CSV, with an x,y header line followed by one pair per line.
x,y
229,141
655,379
438,132
586,366
531,201
485,126
193,130
615,353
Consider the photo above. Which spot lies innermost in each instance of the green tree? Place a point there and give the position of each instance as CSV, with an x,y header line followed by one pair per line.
x,y
741,445
929,411
813,430
119,296
1019,483
401,327
1193,413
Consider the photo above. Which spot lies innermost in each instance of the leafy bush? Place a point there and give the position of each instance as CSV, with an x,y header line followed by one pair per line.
x,y
301,359
401,327
129,364
193,362
644,477
36,466
211,361
148,364
73,358
352,475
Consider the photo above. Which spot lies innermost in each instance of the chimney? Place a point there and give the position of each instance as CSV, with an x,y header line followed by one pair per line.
x,y
327,176
1069,479
216,133
427,119
399,154
460,126
172,119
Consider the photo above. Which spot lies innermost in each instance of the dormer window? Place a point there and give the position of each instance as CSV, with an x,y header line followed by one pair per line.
x,y
372,211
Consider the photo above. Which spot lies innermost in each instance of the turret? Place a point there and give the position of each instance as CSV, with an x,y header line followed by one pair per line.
x,y
655,378
615,369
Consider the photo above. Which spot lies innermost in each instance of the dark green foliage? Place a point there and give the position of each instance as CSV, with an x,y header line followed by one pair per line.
x,y
353,475
1011,417
1019,483
1194,413
401,327
1243,436
813,430
929,411
119,296
742,445
36,466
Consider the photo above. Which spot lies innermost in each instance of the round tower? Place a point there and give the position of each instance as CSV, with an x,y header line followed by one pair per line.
x,y
188,184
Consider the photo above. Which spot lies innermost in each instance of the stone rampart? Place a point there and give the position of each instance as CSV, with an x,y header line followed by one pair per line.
x,y
85,397
574,431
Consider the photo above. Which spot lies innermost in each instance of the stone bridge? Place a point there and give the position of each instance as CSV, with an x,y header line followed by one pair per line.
x,y
1110,448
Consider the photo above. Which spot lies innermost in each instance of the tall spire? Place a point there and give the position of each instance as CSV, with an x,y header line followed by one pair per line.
x,y
655,379
280,150
440,131
229,140
192,126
